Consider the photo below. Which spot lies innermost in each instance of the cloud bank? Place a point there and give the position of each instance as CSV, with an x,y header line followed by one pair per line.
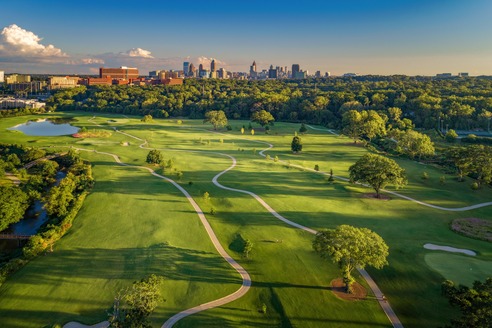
x,y
24,52
18,42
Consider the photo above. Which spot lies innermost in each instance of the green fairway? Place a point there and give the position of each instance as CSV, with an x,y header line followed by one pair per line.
x,y
460,269
133,224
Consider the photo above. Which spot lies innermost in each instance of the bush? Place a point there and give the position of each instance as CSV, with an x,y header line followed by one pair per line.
x,y
451,136
425,176
474,186
275,159
316,167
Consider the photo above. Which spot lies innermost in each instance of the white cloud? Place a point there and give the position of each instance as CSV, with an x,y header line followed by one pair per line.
x,y
206,61
90,61
138,52
18,42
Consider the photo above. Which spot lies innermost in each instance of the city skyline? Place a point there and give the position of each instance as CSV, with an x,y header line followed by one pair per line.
x,y
365,37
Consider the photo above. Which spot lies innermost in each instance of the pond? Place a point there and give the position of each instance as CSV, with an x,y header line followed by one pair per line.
x,y
45,128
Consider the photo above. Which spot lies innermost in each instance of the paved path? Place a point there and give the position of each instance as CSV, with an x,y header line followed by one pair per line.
x,y
245,276
246,283
449,209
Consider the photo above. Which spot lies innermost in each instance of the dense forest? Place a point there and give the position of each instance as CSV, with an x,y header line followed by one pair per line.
x,y
457,103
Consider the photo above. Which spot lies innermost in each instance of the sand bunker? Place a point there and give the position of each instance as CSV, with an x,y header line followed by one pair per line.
x,y
74,324
449,249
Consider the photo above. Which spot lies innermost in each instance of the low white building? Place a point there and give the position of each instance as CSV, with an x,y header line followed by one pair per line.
x,y
11,103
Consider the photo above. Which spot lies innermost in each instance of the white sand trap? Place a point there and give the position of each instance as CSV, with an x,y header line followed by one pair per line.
x,y
74,324
449,249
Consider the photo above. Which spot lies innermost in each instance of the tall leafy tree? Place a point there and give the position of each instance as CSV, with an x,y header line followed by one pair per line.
x,y
262,117
351,248
296,144
13,204
474,303
154,157
415,144
352,124
377,171
134,306
216,117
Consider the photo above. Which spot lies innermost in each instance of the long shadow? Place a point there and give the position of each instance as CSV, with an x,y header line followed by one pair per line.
x,y
173,263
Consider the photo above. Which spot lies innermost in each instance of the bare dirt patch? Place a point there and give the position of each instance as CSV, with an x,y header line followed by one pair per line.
x,y
473,228
338,288
375,196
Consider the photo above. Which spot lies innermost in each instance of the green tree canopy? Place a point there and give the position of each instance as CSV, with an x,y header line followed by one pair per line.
x,y
216,117
138,303
474,303
262,117
377,171
351,248
154,157
147,118
13,204
415,144
296,144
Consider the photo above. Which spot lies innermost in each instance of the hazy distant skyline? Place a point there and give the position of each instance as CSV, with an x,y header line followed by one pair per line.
x,y
417,37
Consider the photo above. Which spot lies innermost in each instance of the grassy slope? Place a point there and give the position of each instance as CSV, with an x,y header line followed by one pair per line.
x,y
287,276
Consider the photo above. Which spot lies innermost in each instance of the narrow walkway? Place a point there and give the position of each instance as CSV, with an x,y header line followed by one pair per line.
x,y
246,279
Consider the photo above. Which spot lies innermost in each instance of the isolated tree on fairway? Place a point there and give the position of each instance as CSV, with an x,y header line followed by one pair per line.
x,y
138,303
154,157
377,171
147,118
262,117
217,118
474,303
296,144
351,248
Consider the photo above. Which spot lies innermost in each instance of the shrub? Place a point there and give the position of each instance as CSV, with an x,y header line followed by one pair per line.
x,y
275,159
267,157
213,211
474,186
206,196
425,175
316,167
451,136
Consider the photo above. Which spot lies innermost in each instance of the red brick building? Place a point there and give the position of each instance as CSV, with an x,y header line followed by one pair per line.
x,y
122,73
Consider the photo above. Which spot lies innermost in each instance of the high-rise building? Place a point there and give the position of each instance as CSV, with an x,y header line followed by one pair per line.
x,y
2,76
317,74
222,73
252,70
295,70
186,68
212,65
272,72
192,70
122,73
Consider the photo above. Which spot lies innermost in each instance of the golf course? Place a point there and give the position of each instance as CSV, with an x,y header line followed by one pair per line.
x,y
187,222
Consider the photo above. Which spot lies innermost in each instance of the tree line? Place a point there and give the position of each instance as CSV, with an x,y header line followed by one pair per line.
x,y
427,102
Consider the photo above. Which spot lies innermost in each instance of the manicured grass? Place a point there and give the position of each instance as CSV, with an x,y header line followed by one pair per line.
x,y
134,224
460,269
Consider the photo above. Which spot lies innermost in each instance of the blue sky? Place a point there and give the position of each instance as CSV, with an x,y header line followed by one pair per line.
x,y
418,37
